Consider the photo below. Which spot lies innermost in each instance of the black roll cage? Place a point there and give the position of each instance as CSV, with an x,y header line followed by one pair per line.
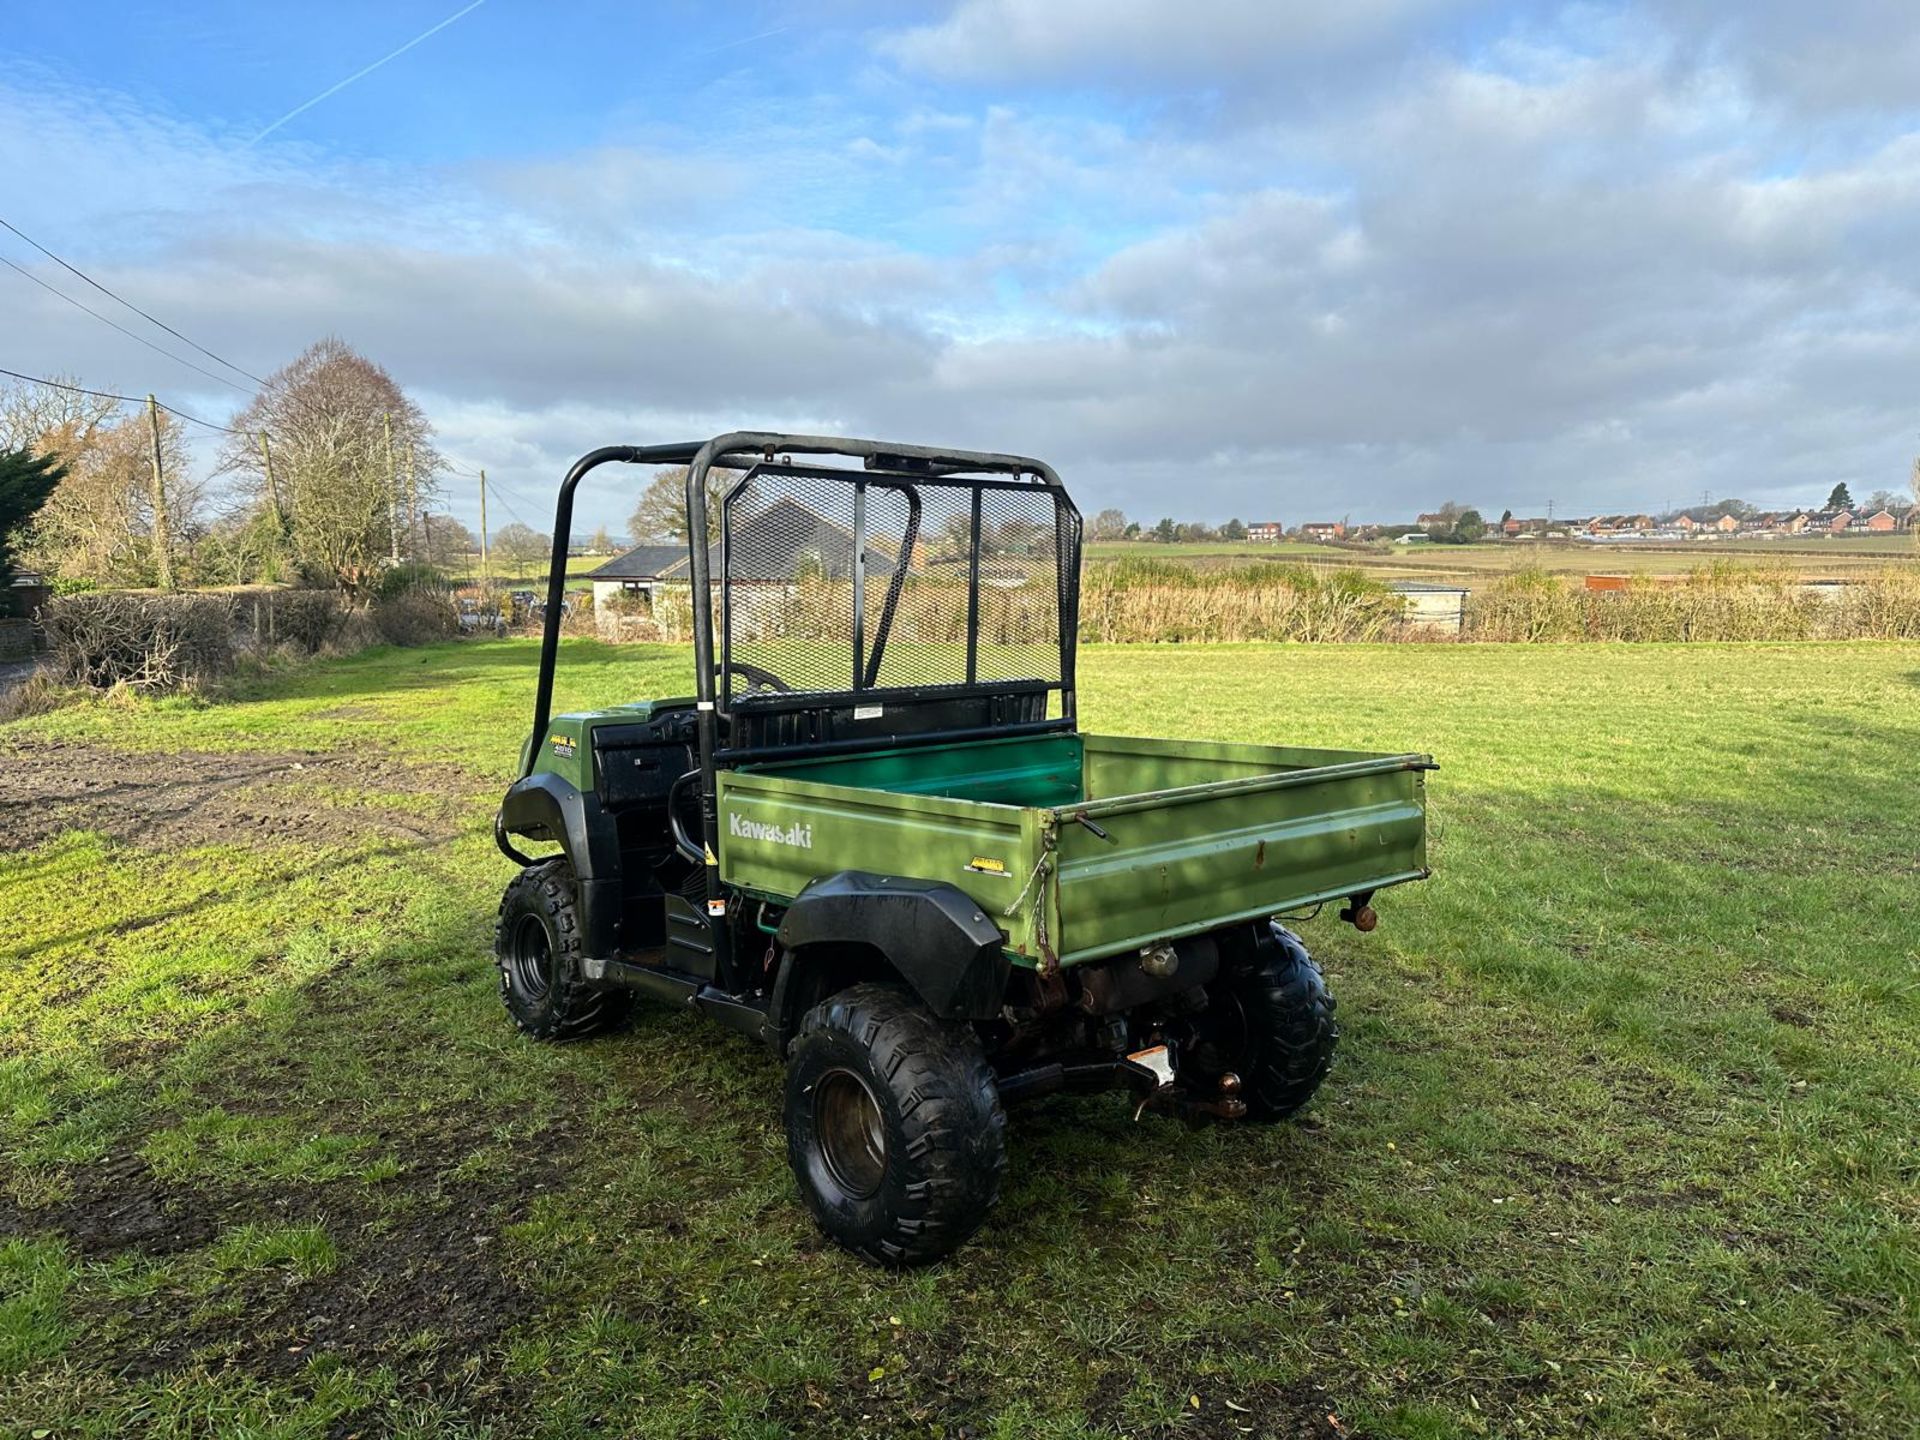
x,y
890,464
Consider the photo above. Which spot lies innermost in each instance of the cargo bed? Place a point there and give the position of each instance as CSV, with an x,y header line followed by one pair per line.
x,y
1083,846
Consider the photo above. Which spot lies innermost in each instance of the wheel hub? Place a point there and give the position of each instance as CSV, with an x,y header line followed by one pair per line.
x,y
531,955
847,1123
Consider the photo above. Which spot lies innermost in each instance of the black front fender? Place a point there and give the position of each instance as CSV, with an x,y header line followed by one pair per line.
x,y
939,939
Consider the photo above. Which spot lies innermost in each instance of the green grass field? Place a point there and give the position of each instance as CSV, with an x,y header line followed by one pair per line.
x,y
1621,1141
1815,557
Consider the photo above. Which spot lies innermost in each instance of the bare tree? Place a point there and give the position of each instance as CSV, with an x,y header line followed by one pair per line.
x,y
352,458
522,544
661,514
99,522
444,541
1110,524
48,421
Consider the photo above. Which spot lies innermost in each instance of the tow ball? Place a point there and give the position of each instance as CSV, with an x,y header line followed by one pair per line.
x,y
1359,913
1153,1069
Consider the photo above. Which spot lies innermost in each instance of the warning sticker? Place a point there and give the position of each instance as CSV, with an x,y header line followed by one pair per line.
x,y
983,865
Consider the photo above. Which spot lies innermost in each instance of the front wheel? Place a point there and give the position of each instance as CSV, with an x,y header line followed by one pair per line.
x,y
894,1126
1270,1021
536,945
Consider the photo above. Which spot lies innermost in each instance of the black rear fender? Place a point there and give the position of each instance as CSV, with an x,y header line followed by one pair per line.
x,y
852,926
546,806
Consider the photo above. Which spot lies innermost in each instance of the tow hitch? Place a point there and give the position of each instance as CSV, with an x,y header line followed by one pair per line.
x,y
1149,1073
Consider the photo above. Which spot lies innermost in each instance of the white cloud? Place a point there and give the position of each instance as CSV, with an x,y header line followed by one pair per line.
x,y
1590,265
1204,41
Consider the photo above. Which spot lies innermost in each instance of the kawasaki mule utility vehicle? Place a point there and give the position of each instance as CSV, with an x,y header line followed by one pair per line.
x,y
875,839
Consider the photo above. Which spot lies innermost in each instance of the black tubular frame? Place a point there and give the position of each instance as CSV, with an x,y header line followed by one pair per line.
x,y
894,466
557,569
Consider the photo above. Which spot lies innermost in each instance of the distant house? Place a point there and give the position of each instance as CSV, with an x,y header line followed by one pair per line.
x,y
1619,524
1266,532
1428,521
1709,522
1881,522
774,548
1795,523
1509,527
1838,522
634,575
1324,530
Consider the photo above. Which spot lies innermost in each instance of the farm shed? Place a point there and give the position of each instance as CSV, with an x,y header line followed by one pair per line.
x,y
1436,607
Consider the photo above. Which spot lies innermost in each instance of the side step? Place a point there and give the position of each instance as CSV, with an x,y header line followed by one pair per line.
x,y
677,988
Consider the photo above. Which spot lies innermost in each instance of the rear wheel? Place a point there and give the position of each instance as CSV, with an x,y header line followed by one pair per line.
x,y
894,1126
1270,1021
536,945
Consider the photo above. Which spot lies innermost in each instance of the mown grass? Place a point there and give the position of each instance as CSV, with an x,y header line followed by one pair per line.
x,y
1622,1140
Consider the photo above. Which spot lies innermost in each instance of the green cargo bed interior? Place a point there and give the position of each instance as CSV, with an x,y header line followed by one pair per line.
x,y
1045,772
1041,771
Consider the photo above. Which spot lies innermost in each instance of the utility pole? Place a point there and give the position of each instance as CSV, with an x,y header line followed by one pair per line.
x,y
162,546
393,494
485,577
273,488
413,501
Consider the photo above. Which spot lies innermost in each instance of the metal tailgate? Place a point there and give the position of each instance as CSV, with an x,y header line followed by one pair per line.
x,y
1191,858
777,833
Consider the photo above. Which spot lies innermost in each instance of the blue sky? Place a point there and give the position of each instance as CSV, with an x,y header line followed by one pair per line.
x,y
1215,258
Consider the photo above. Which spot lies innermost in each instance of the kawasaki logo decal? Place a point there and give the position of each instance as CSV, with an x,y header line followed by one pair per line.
x,y
797,835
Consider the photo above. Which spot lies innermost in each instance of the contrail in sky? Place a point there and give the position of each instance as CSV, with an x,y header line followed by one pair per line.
x,y
362,74
747,40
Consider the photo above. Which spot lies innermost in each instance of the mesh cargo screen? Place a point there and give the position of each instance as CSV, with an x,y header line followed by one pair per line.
x,y
796,600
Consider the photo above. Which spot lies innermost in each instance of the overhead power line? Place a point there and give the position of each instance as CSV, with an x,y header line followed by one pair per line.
x,y
144,315
110,395
276,384
131,335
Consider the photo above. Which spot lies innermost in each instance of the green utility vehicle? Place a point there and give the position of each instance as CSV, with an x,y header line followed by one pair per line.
x,y
876,840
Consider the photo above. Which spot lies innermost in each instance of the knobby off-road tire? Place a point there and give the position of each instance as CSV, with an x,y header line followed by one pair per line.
x,y
1280,1015
536,945
894,1126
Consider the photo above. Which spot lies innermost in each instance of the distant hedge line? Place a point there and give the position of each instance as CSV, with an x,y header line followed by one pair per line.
x,y
1719,604
155,642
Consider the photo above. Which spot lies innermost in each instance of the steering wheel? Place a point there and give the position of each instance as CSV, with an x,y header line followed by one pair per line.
x,y
757,679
